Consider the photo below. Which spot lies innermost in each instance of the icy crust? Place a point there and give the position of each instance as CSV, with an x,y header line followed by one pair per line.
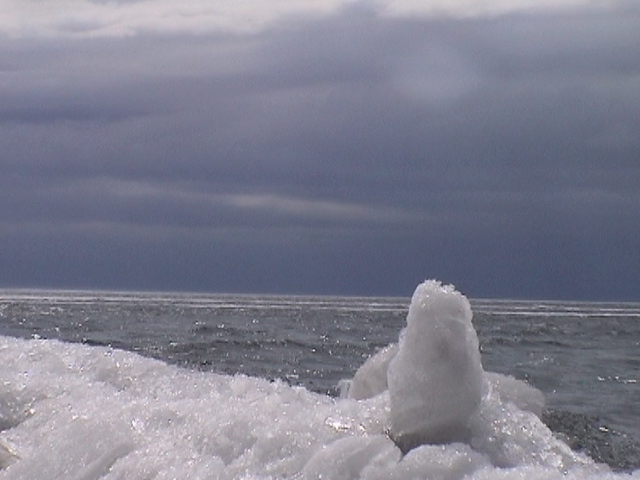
x,y
74,412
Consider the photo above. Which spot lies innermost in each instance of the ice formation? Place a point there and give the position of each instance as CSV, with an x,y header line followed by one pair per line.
x,y
70,411
436,378
371,378
517,392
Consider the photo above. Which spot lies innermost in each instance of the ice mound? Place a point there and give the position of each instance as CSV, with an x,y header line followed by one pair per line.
x,y
371,378
438,381
436,378
80,412
512,390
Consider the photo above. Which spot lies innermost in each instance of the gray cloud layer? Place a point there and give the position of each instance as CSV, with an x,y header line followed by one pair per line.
x,y
343,151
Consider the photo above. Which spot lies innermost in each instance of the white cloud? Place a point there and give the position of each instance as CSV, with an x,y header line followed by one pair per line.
x,y
475,8
82,18
283,205
90,19
315,208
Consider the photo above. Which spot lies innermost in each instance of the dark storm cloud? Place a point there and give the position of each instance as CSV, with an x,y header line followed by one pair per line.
x,y
354,152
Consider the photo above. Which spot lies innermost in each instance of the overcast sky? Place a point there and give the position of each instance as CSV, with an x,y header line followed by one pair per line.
x,y
330,146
